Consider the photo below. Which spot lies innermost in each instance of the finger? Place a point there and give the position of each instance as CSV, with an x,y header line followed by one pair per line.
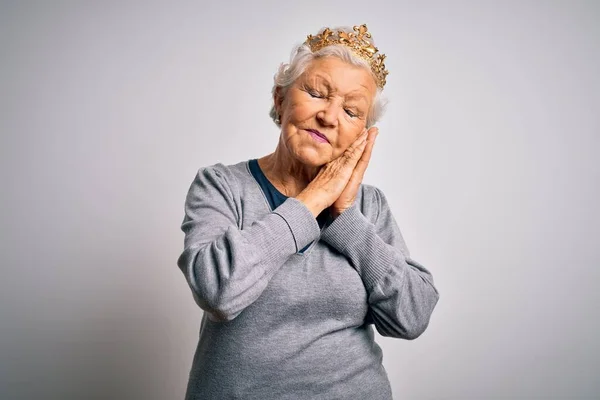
x,y
366,154
354,154
358,141
373,132
362,164
364,134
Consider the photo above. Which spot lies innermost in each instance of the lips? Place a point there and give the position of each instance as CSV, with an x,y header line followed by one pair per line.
x,y
316,132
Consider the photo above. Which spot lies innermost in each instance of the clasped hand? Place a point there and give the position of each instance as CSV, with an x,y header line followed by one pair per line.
x,y
337,183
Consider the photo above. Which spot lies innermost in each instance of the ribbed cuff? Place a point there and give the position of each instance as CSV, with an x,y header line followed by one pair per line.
x,y
353,235
302,223
345,229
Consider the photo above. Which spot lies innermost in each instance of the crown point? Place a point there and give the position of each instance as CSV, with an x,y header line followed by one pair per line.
x,y
355,41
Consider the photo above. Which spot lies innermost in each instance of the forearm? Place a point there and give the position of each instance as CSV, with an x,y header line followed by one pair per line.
x,y
230,272
402,295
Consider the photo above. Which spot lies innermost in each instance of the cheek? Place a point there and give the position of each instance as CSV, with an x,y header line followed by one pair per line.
x,y
348,136
300,111
353,129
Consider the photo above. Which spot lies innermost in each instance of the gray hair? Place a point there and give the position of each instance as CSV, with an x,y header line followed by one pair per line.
x,y
300,59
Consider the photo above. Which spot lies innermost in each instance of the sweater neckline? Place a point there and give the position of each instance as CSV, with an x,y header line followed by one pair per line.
x,y
328,219
264,177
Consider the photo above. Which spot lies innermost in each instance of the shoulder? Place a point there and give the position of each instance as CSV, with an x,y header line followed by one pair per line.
x,y
219,174
219,169
217,187
216,181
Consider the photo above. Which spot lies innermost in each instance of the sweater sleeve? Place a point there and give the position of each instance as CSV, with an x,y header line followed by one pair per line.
x,y
401,292
227,268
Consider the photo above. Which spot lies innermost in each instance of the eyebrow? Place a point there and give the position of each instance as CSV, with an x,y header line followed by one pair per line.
x,y
351,96
358,96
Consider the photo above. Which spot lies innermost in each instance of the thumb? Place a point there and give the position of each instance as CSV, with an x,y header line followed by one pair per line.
x,y
355,151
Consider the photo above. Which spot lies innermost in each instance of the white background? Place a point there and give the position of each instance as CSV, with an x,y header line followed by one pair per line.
x,y
488,155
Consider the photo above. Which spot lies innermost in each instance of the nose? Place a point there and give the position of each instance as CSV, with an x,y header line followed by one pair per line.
x,y
328,116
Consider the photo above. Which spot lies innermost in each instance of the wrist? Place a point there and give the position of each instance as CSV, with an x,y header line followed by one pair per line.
x,y
311,202
335,212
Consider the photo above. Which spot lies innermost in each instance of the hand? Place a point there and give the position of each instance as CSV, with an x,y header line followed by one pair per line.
x,y
347,197
333,177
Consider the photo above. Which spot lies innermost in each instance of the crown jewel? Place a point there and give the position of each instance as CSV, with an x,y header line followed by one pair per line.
x,y
357,42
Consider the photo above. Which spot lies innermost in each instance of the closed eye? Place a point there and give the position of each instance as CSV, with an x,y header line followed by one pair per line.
x,y
350,113
315,94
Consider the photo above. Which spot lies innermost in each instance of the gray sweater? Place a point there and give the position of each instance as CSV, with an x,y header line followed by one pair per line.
x,y
280,324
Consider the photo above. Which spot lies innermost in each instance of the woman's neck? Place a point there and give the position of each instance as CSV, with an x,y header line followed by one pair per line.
x,y
287,174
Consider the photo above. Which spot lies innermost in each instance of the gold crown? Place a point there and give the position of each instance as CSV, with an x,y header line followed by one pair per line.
x,y
357,42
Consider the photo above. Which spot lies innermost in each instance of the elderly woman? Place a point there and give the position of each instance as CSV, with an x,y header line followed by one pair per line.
x,y
293,258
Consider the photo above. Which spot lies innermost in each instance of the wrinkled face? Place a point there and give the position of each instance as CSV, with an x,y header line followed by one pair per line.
x,y
332,98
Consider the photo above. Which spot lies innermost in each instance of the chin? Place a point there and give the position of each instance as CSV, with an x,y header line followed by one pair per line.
x,y
312,157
